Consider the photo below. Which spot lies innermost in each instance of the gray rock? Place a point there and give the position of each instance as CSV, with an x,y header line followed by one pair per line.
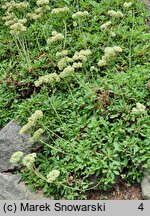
x,y
147,3
10,142
145,185
12,189
148,85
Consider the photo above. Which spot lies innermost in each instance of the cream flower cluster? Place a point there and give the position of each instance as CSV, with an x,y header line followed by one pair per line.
x,y
117,14
63,65
112,51
53,78
106,25
62,53
67,72
112,34
60,10
35,116
50,78
56,37
93,68
77,65
80,14
51,177
127,4
16,157
33,16
140,108
82,55
75,24
36,135
64,62
38,12
108,53
29,160
78,56
12,5
10,18
102,62
16,25
31,121
42,2
25,128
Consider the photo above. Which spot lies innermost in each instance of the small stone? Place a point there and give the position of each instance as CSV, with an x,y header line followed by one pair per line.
x,y
145,185
148,85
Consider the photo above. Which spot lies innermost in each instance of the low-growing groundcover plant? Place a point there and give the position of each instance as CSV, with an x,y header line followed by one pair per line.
x,y
75,72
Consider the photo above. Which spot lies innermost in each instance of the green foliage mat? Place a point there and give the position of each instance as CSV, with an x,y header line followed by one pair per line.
x,y
88,118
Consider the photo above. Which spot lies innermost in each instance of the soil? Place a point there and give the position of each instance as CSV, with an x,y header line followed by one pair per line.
x,y
121,191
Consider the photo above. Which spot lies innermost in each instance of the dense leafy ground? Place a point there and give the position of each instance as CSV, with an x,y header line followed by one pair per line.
x,y
96,117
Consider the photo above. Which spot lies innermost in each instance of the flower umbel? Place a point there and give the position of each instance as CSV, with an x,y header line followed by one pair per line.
x,y
67,72
16,157
35,116
112,51
33,16
36,135
49,78
17,28
52,176
102,63
127,4
82,55
80,14
112,34
12,5
140,108
29,160
77,65
117,14
42,2
106,25
62,53
109,52
31,121
56,37
60,10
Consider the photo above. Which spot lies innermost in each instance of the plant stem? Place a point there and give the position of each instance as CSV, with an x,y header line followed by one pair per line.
x,y
131,39
59,150
94,186
66,186
55,134
39,175
65,26
25,53
84,85
56,112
